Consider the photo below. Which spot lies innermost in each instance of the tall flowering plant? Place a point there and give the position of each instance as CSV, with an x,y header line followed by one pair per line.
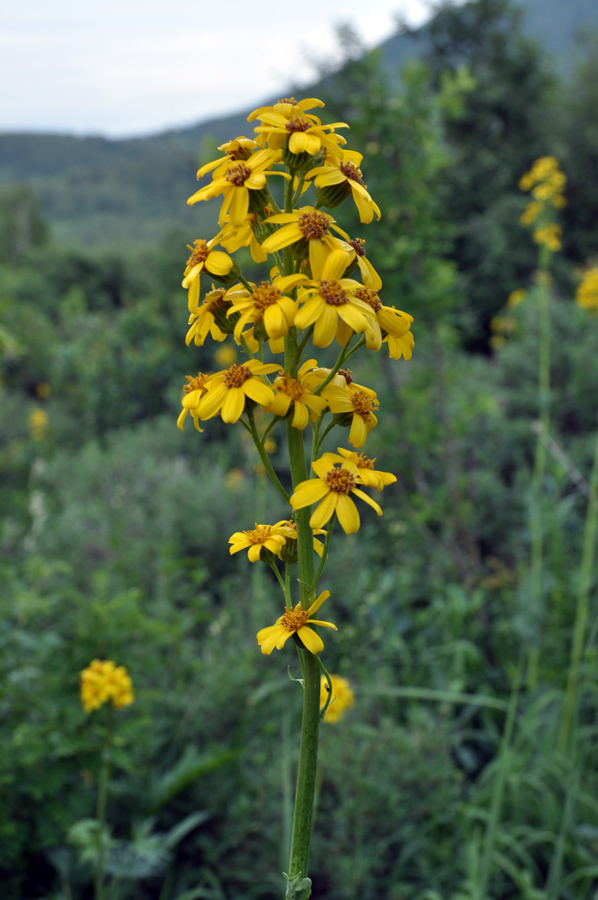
x,y
322,289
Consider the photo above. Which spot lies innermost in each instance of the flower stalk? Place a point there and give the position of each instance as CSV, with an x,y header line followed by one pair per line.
x,y
310,299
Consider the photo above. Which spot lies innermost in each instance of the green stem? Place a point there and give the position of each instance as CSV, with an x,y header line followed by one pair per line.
x,y
252,428
498,792
101,807
321,437
581,613
244,281
310,722
540,465
324,553
287,597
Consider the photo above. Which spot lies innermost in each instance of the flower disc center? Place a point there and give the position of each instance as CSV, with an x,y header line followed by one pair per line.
x,y
340,481
236,376
294,619
264,296
333,293
314,225
238,173
200,253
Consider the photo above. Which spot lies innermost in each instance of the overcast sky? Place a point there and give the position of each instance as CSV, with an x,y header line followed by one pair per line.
x,y
126,67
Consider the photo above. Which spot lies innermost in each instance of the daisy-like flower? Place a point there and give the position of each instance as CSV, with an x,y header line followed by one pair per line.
x,y
287,121
268,537
330,298
215,263
239,149
240,179
294,391
192,394
393,323
295,621
587,292
204,319
307,230
268,303
287,108
227,391
343,698
331,491
359,403
367,474
339,177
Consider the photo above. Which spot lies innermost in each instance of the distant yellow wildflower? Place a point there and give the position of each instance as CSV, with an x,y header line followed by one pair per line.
x,y
102,681
38,424
587,292
550,235
343,698
515,298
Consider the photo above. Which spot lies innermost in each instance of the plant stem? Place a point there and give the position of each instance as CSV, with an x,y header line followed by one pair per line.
x,y
101,807
310,723
539,465
581,613
263,455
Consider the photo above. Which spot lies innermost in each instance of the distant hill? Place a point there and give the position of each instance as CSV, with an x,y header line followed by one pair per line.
x,y
109,193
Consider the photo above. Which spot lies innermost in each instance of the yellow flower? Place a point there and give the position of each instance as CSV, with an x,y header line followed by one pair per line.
x,y
210,262
102,681
295,621
587,292
287,123
367,475
371,279
331,490
359,403
302,229
240,148
266,537
225,356
550,235
531,213
38,424
343,698
515,298
267,303
295,391
227,391
288,528
232,238
330,298
240,179
204,319
192,394
392,323
339,177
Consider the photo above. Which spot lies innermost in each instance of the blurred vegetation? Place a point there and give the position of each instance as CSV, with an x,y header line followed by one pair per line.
x,y
445,781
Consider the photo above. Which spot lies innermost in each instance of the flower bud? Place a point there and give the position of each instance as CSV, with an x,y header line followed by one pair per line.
x,y
333,194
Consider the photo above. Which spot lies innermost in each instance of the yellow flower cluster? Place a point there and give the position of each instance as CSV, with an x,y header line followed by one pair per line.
x,y
546,183
102,681
343,698
321,288
587,292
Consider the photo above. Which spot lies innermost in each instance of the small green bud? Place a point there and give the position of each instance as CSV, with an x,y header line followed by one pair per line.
x,y
333,194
